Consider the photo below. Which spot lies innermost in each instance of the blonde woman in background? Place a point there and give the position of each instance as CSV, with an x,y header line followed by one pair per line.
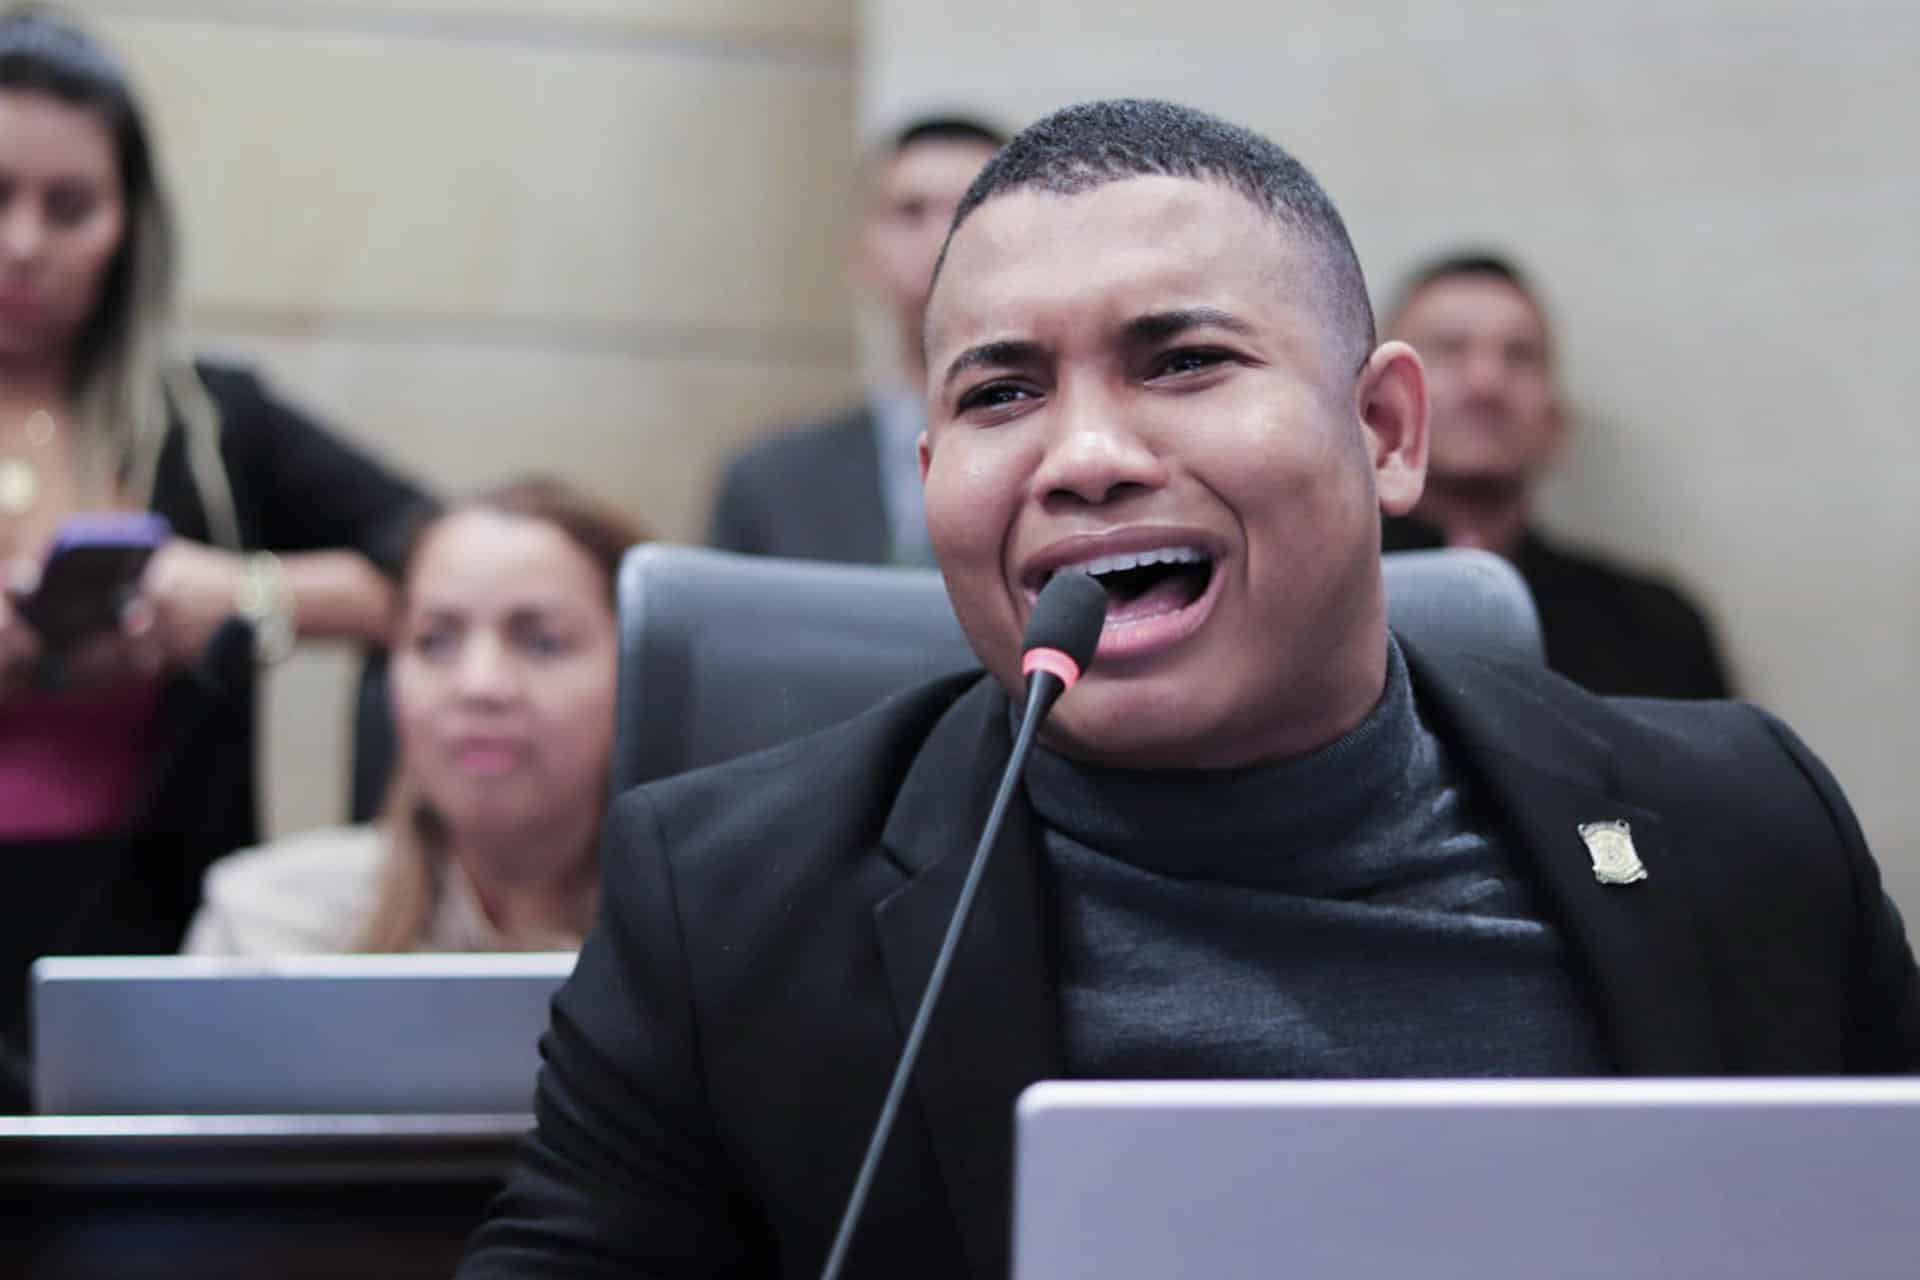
x,y
127,748
502,686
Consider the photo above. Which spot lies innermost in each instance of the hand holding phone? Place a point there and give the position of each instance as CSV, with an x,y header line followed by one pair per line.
x,y
90,575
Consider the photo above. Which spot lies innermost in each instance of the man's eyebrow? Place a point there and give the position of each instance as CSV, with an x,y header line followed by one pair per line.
x,y
1158,326
990,354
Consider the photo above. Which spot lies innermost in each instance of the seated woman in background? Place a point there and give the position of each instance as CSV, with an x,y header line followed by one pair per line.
x,y
127,740
502,686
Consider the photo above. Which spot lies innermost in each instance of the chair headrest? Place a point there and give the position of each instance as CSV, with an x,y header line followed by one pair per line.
x,y
723,654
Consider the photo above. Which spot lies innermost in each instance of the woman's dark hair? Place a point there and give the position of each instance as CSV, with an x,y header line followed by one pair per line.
x,y
43,51
127,373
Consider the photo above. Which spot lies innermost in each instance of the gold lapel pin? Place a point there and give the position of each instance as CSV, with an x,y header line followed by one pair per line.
x,y
1610,844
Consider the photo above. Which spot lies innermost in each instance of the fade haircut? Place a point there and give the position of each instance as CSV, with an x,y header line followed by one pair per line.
x,y
1080,148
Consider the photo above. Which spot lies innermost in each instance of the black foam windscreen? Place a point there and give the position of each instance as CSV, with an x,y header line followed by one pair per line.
x,y
1068,616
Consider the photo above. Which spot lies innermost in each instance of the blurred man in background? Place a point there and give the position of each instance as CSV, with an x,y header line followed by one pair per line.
x,y
1498,423
848,488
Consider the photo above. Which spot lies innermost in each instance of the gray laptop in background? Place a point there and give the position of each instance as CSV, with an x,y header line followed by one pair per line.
x,y
441,1034
1510,1180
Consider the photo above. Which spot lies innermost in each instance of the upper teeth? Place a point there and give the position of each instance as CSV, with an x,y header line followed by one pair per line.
x,y
1139,559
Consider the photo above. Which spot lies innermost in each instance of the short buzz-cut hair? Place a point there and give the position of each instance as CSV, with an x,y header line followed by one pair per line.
x,y
1080,148
945,128
1473,263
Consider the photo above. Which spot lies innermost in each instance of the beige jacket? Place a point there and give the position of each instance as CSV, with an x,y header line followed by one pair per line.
x,y
315,893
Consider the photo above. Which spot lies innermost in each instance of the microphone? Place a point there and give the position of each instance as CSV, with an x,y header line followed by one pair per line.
x,y
1061,637
1057,648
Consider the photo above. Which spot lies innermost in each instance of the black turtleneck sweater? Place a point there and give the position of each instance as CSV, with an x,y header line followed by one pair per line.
x,y
1346,913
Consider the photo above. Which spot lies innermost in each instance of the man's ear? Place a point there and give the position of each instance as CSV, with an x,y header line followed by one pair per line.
x,y
1391,399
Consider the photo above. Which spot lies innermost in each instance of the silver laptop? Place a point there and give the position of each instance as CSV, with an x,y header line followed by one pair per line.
x,y
200,1035
1511,1180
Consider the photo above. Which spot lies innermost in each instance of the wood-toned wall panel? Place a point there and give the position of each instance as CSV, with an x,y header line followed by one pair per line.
x,y
649,432
808,27
343,173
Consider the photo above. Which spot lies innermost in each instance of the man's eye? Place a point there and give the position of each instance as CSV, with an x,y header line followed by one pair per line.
x,y
1526,357
1187,360
993,395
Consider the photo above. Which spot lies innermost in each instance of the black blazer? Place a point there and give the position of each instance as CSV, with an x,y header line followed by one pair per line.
x,y
1616,632
1609,630
716,1063
812,492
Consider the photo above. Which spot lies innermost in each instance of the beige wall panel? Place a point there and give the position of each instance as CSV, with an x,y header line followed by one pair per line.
x,y
818,25
649,434
625,190
1713,194
810,24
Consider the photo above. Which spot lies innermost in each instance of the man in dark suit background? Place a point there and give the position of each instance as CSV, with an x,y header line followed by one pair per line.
x,y
848,488
1499,421
1263,837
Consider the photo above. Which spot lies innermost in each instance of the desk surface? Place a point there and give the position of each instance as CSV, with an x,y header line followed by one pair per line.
x,y
172,1150
290,1197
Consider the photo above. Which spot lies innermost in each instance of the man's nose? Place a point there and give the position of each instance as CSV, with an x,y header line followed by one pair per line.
x,y
1485,372
1097,452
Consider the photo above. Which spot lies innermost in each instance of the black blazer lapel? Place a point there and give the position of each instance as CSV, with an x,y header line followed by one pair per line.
x,y
1638,945
996,1028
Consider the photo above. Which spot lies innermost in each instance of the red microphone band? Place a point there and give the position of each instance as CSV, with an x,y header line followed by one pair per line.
x,y
1053,662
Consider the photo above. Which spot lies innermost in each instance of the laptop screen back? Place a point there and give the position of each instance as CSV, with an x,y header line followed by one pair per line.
x,y
1509,1180
198,1035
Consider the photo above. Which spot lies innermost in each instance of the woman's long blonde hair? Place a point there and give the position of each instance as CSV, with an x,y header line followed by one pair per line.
x,y
414,875
130,374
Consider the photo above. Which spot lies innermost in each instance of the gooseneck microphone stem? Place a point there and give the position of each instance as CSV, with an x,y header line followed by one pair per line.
x,y
1062,636
1043,688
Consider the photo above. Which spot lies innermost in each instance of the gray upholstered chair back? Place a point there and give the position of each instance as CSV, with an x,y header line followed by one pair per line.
x,y
722,654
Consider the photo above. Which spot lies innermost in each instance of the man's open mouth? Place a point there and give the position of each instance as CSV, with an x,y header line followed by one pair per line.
x,y
1147,584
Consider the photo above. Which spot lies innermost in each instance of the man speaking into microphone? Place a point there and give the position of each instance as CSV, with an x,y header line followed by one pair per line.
x,y
1262,837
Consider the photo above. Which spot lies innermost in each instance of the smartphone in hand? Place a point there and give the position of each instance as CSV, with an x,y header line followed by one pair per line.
x,y
91,572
